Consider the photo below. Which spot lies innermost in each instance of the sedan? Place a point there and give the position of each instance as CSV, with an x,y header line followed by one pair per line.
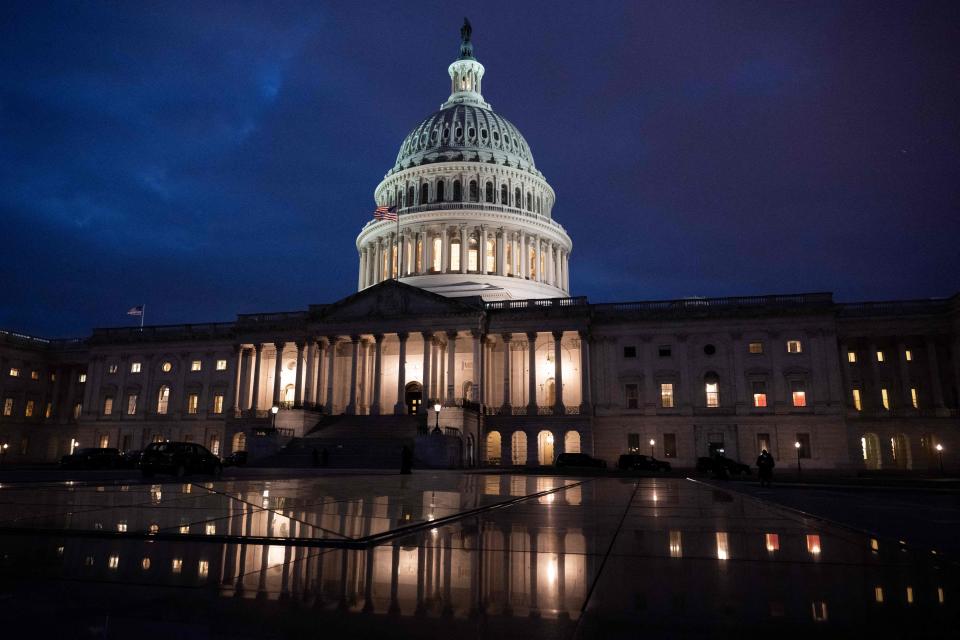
x,y
92,458
721,463
638,462
579,460
178,458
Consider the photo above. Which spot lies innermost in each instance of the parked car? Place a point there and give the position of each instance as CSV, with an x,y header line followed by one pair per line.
x,y
178,458
638,462
131,459
235,459
92,458
579,460
732,467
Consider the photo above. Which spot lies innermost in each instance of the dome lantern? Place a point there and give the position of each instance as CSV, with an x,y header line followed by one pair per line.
x,y
466,74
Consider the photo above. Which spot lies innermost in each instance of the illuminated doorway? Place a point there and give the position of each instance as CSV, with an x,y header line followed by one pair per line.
x,y
240,441
870,449
414,398
518,445
494,448
545,448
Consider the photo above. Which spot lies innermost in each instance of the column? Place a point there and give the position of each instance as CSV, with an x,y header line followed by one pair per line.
x,y
501,252
436,377
482,253
937,390
427,342
354,357
400,408
428,253
523,254
956,368
318,398
532,382
506,406
538,271
277,370
585,399
377,363
464,246
298,379
363,266
422,243
235,400
311,381
558,407
477,381
401,254
331,361
444,250
557,267
258,358
451,366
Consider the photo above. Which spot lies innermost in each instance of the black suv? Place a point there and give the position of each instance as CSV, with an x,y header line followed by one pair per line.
x,y
579,460
178,458
92,458
638,462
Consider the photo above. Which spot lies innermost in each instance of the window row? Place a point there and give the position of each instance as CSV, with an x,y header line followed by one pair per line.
x,y
413,196
30,408
667,444
755,348
880,355
166,366
162,403
857,397
711,391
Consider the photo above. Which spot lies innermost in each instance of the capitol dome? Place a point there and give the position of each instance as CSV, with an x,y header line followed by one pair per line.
x,y
473,212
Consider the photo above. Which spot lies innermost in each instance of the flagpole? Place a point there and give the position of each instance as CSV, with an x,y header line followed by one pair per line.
x,y
399,256
143,314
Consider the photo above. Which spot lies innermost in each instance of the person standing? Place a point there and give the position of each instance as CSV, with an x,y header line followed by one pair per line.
x,y
765,466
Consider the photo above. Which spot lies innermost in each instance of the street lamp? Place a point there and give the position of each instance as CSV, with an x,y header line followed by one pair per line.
x,y
274,410
939,449
652,443
797,445
3,452
436,408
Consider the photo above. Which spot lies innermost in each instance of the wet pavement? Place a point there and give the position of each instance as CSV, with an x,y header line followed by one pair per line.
x,y
450,553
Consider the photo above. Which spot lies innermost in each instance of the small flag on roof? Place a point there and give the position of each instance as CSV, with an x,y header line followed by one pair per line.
x,y
385,213
136,311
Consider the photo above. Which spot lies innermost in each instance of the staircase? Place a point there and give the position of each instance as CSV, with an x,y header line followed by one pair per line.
x,y
351,442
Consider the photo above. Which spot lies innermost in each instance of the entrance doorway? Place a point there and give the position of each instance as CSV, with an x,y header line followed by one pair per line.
x,y
414,398
870,448
545,448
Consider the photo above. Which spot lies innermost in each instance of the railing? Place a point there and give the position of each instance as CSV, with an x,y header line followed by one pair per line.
x,y
286,404
471,206
894,307
285,432
260,318
452,431
692,304
24,338
166,331
499,305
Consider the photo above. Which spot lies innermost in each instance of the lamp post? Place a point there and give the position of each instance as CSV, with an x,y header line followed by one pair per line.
x,y
3,452
797,447
652,443
274,410
939,448
436,409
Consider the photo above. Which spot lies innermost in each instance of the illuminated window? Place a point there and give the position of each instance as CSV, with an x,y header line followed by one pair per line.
x,y
104,442
874,544
214,445
879,356
203,568
851,356
132,404
195,365
108,406
799,393
210,529
455,255
163,399
819,611
913,398
856,400
53,377
218,403
772,542
711,387
122,526
82,377
145,564
666,395
813,544
177,565
755,347
794,346
759,394
166,367
676,544
8,406
35,374
437,262
112,368
192,401
885,399
221,365
113,562
940,596
48,411
14,372
908,355
491,255
632,394
878,594
77,408
909,595
763,443
723,546
134,367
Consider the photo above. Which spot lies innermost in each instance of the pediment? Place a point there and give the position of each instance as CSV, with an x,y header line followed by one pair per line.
x,y
392,299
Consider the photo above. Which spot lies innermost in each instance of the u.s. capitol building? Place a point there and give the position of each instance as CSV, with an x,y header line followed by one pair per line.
x,y
465,303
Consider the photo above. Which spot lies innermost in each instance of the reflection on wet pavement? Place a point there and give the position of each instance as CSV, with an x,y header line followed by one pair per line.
x,y
602,558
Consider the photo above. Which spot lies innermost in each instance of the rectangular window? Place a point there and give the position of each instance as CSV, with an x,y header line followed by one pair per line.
x,y
82,378
664,351
35,374
759,394
134,367
195,365
763,443
221,365
851,357
28,410
856,400
112,368
885,399
712,390
632,393
772,542
908,355
77,408
53,377
48,411
14,372
104,441
804,440
755,347
669,445
24,445
913,398
218,403
633,441
794,346
676,544
132,404
491,256
666,395
879,356
799,393
108,406
629,352
8,406
193,400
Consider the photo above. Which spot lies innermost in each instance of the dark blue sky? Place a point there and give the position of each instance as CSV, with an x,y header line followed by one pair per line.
x,y
215,158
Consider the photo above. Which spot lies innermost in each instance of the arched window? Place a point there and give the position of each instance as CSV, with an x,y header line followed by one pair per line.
x,y
504,198
457,191
239,441
163,399
518,446
529,202
517,198
424,192
473,260
711,387
474,193
441,196
400,197
411,196
493,448
489,192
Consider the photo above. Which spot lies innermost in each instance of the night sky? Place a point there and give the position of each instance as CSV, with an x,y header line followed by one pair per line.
x,y
210,159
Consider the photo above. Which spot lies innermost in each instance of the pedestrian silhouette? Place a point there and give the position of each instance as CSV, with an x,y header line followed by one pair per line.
x,y
765,464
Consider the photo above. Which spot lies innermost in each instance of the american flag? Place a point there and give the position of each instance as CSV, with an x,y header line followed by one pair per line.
x,y
136,311
385,213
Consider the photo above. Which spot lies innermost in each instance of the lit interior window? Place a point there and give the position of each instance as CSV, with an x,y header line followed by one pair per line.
x,y
794,346
121,526
799,394
723,547
15,373
113,562
712,391
145,564
885,398
35,375
819,611
203,568
676,544
909,595
755,347
759,399
107,406
134,367
851,356
879,356
210,529
856,400
813,544
666,395
81,378
221,365
772,541
908,355
163,399
940,597
167,367
874,544
218,403
863,447
878,594
112,368
193,401
195,365
913,398
177,565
